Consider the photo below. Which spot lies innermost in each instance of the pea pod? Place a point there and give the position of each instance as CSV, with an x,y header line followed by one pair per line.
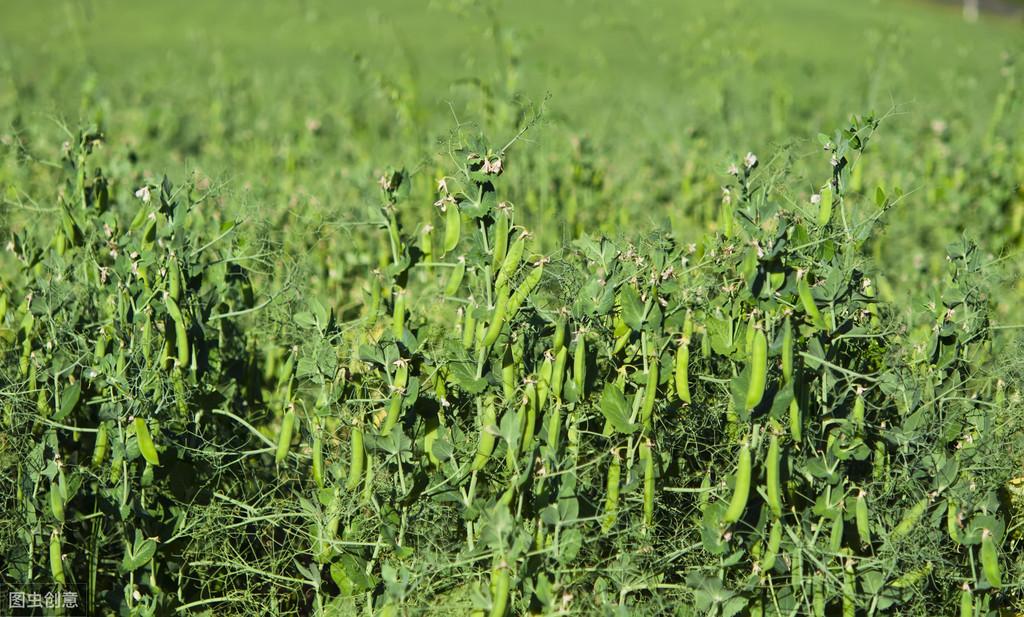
x,y
174,280
611,500
358,459
825,206
861,517
773,486
772,550
56,560
682,372
787,350
99,451
647,457
56,503
524,290
741,491
511,261
146,446
849,590
758,370
650,394
858,414
803,289
398,316
818,594
488,426
530,400
500,584
455,279
501,224
952,521
909,520
508,374
469,328
180,333
579,363
835,539
284,439
966,601
497,318
452,227
318,459
558,373
427,242
990,559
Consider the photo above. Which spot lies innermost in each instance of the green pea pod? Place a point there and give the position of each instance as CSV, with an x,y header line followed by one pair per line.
x,y
318,459
530,400
508,374
524,290
498,318
741,491
558,373
835,540
787,350
146,446
818,594
427,242
849,590
650,395
180,333
909,520
284,439
511,261
488,437
611,500
358,454
469,328
455,280
858,414
825,206
966,601
952,521
990,559
398,317
803,289
99,450
773,486
683,371
795,421
499,590
452,227
544,380
174,280
579,363
56,503
56,561
772,550
501,225
558,339
758,370
647,457
861,517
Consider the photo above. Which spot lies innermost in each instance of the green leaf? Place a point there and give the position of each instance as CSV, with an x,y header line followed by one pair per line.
x,y
616,410
632,307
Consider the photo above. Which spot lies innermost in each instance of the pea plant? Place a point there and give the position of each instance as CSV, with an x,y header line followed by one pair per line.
x,y
738,425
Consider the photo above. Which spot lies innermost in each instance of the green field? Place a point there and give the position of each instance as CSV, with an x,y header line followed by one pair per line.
x,y
508,308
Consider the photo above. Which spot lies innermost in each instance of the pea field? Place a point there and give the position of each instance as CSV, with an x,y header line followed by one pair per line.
x,y
494,308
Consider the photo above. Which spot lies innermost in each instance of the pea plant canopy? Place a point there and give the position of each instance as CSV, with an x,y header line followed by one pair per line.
x,y
481,389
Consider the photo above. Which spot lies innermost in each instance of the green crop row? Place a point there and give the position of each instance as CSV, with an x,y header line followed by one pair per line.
x,y
740,424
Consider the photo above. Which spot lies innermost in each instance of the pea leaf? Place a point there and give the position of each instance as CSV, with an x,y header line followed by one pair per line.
x,y
616,410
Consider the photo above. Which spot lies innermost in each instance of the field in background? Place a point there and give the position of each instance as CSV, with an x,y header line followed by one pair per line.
x,y
225,218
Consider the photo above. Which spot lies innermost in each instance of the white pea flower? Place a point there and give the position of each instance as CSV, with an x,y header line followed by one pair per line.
x,y
143,194
750,160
